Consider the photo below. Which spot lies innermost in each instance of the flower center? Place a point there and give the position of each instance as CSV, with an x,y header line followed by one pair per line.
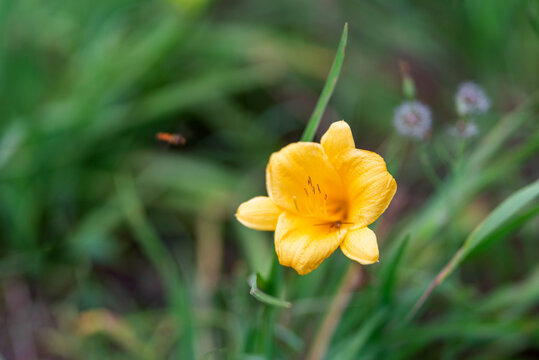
x,y
470,98
412,119
314,202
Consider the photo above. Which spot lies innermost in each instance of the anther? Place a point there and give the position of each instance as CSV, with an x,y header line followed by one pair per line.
x,y
318,186
306,192
295,202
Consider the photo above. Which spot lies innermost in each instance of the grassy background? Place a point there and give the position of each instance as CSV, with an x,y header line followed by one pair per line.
x,y
114,246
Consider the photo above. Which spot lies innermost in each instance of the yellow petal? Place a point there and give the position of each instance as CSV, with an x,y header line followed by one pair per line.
x,y
259,213
337,139
303,243
300,179
360,245
370,187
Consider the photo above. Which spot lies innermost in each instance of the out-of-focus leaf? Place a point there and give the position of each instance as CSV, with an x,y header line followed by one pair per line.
x,y
514,298
388,276
533,15
160,258
256,247
482,235
498,217
351,348
289,337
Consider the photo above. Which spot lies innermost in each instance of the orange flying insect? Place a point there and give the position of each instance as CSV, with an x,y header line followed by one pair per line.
x,y
172,139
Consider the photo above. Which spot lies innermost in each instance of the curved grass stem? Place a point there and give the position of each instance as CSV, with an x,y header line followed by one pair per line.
x,y
336,309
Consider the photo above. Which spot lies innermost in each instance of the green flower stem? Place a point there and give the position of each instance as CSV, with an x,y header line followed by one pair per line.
x,y
458,163
427,165
262,296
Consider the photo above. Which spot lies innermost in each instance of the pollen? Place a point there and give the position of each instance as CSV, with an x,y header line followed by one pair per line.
x,y
316,201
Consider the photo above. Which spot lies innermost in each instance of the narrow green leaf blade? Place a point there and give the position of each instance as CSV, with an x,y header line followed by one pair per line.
x,y
353,346
388,274
262,296
499,216
497,219
329,87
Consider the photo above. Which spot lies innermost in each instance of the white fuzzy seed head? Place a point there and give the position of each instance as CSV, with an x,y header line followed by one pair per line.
x,y
471,100
413,119
464,129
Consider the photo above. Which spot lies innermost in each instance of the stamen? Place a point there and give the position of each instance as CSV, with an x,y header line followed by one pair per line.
x,y
309,181
309,202
295,202
318,186
314,191
325,204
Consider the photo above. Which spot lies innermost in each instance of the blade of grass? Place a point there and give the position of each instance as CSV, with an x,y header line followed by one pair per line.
x,y
274,286
513,299
497,218
353,346
327,91
255,246
160,257
388,275
262,296
336,309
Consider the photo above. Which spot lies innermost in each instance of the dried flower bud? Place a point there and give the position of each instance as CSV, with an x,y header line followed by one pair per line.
x,y
413,119
471,100
408,86
464,129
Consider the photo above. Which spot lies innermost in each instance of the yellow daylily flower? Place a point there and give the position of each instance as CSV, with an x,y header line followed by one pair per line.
x,y
322,196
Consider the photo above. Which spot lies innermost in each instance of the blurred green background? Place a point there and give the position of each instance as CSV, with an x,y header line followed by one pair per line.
x,y
116,246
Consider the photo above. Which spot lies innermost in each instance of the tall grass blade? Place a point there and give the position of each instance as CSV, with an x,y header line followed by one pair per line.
x,y
354,345
329,87
160,257
481,235
388,276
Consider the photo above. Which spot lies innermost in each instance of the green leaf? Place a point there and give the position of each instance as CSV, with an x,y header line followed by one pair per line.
x,y
482,235
256,247
261,296
513,299
533,15
498,217
352,347
516,222
388,274
151,245
329,87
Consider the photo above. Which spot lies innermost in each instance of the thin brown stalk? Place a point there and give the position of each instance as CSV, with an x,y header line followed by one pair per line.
x,y
437,281
336,309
